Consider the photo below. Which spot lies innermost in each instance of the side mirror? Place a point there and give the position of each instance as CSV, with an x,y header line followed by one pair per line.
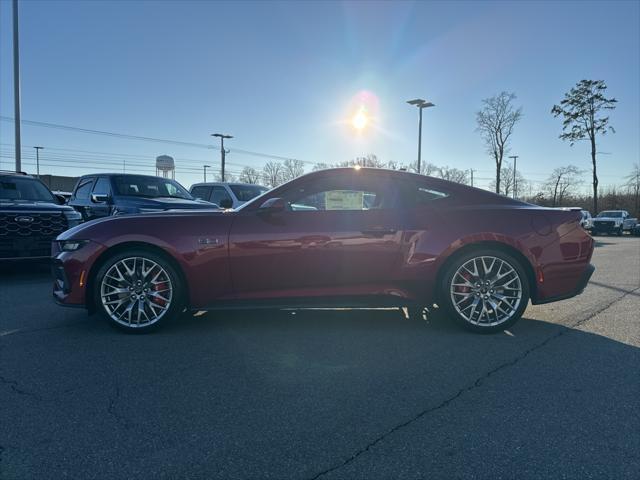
x,y
99,197
60,198
273,205
226,203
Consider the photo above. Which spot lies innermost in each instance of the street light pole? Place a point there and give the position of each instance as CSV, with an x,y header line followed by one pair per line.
x,y
421,104
38,160
16,87
223,152
205,172
515,159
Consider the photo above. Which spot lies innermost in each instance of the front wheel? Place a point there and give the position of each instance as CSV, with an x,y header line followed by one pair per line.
x,y
137,290
485,290
620,232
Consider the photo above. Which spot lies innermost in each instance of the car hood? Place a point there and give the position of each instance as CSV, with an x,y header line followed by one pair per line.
x,y
165,202
171,220
30,205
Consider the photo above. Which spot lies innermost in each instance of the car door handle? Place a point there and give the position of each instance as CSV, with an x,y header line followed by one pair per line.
x,y
378,231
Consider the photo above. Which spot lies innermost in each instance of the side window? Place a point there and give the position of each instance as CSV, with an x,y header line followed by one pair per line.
x,y
202,192
103,187
340,193
84,188
219,194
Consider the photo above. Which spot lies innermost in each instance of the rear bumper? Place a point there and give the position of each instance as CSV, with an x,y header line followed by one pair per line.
x,y
582,284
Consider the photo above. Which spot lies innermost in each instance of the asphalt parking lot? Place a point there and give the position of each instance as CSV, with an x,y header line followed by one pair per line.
x,y
325,394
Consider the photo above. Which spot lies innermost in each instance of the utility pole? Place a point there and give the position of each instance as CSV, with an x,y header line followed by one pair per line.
x,y
421,104
223,152
471,176
38,160
205,172
16,87
515,186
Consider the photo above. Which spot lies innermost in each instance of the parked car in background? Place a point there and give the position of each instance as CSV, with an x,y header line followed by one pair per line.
x,y
103,195
225,194
613,222
587,220
372,238
30,217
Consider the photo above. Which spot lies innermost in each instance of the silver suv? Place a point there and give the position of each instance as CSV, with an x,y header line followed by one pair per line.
x,y
225,194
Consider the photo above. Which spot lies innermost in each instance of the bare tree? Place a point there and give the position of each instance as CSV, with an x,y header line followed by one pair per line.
x,y
453,175
272,174
507,184
426,168
320,166
562,183
249,175
633,186
582,120
495,123
292,168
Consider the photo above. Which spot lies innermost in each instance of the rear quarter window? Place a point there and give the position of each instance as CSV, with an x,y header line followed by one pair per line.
x,y
422,195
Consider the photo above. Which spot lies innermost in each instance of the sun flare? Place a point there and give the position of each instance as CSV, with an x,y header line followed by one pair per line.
x,y
360,120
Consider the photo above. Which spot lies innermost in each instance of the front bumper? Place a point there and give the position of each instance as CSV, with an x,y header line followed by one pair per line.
x,y
71,273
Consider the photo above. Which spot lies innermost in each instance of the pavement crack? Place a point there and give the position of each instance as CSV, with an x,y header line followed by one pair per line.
x,y
476,384
13,384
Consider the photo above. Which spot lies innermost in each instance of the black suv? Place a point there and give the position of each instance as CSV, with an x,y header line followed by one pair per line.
x,y
105,194
30,217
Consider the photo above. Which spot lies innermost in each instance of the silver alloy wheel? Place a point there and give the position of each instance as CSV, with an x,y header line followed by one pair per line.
x,y
486,291
136,292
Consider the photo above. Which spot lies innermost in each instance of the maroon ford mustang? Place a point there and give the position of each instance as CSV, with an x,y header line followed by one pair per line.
x,y
339,237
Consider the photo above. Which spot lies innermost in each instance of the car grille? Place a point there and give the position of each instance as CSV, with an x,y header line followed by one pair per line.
x,y
29,234
606,224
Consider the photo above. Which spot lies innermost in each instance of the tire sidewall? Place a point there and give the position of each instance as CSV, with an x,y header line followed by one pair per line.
x,y
176,302
459,260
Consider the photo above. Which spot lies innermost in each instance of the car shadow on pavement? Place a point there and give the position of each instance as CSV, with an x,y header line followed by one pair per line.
x,y
292,394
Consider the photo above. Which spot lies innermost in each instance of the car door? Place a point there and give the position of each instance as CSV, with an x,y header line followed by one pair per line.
x,y
81,200
102,188
339,235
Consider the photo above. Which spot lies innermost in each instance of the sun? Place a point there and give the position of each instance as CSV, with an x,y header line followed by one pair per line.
x,y
360,120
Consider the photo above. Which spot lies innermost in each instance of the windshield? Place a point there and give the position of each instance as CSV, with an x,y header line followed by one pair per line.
x,y
610,214
150,187
16,188
244,193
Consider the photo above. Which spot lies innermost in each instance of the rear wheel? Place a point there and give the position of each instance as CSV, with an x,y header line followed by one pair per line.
x,y
486,290
137,290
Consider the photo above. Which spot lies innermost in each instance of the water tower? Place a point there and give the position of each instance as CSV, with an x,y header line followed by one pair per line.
x,y
165,164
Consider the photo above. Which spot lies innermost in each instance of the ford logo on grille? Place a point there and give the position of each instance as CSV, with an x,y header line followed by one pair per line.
x,y
24,220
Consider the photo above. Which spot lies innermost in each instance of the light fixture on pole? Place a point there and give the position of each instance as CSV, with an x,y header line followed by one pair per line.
x,y
205,172
38,160
515,184
223,152
421,104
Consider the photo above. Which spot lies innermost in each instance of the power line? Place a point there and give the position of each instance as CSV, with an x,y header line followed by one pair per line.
x,y
146,139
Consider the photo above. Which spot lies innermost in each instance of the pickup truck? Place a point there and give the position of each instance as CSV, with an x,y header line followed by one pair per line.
x,y
613,221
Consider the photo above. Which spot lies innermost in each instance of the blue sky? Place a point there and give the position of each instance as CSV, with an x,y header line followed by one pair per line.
x,y
282,77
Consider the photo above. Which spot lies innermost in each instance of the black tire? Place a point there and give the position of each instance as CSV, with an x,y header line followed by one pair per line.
x,y
447,303
594,233
175,305
619,232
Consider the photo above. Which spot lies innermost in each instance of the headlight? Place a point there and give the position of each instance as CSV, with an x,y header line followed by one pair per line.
x,y
72,245
73,218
